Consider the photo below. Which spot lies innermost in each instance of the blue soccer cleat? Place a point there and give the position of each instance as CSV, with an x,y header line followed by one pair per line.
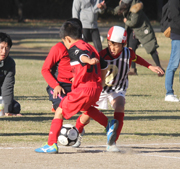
x,y
111,131
48,149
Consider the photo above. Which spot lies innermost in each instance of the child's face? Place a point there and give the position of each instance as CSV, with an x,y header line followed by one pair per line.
x,y
4,50
115,48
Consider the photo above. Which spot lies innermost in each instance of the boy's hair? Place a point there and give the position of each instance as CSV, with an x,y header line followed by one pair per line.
x,y
5,38
77,21
71,28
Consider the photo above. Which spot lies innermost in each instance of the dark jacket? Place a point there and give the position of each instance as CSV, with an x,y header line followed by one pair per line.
x,y
140,24
7,81
174,14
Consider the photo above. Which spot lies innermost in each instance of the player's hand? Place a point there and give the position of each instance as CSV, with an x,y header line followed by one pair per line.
x,y
93,61
72,79
157,70
102,5
124,20
57,91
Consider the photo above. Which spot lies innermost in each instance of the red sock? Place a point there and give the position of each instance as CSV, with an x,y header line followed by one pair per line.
x,y
97,116
54,131
79,125
120,117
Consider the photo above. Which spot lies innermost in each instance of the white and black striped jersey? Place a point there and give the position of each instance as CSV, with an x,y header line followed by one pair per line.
x,y
120,80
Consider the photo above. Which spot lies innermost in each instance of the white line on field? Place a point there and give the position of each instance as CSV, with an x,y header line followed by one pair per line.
x,y
159,156
96,146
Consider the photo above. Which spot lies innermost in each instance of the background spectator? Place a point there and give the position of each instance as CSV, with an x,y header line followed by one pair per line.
x,y
139,29
87,11
174,15
7,77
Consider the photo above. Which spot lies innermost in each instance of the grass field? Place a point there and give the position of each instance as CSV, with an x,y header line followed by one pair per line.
x,y
147,116
149,139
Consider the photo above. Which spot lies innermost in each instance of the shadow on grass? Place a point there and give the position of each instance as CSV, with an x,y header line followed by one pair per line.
x,y
136,112
95,134
39,117
31,98
23,134
153,134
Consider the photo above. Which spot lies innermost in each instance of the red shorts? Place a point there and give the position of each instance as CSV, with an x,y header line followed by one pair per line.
x,y
80,99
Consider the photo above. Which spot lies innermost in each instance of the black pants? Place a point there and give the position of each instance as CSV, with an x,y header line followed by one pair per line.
x,y
50,91
92,35
133,43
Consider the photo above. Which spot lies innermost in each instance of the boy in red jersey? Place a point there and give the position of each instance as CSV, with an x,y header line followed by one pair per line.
x,y
86,87
119,60
56,70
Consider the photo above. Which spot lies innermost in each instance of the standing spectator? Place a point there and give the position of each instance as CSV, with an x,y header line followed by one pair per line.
x,y
87,11
174,14
7,77
139,29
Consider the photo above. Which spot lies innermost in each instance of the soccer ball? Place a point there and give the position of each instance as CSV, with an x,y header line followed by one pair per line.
x,y
68,135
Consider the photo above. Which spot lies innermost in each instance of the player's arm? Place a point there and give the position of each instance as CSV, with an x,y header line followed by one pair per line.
x,y
52,58
86,59
137,59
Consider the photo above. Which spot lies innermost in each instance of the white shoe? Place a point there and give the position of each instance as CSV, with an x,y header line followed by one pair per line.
x,y
171,98
112,148
79,140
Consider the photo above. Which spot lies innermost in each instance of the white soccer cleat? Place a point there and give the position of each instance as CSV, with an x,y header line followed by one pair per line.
x,y
112,148
171,98
79,140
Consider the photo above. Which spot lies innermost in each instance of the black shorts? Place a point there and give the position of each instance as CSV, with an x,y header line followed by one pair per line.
x,y
50,91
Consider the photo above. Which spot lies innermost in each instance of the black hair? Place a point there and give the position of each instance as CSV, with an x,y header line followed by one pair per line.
x,y
71,28
5,38
77,21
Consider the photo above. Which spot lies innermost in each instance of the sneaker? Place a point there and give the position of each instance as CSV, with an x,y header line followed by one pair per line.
x,y
133,71
79,140
48,149
171,98
112,148
111,131
53,110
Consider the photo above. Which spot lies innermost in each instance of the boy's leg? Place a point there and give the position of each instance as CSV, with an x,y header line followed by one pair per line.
x,y
51,146
82,121
118,104
110,126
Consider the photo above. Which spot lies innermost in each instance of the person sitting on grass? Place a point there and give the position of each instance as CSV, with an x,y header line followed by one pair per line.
x,y
86,87
7,77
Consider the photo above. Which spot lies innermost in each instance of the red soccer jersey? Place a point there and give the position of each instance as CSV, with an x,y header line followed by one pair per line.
x,y
84,73
56,67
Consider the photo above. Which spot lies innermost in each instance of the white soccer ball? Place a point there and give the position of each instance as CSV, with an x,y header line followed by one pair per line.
x,y
68,135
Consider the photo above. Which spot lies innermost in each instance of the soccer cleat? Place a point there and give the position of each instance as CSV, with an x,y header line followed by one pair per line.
x,y
112,148
111,131
79,140
171,98
53,110
48,149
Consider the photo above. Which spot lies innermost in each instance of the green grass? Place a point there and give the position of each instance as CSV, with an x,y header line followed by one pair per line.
x,y
148,118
